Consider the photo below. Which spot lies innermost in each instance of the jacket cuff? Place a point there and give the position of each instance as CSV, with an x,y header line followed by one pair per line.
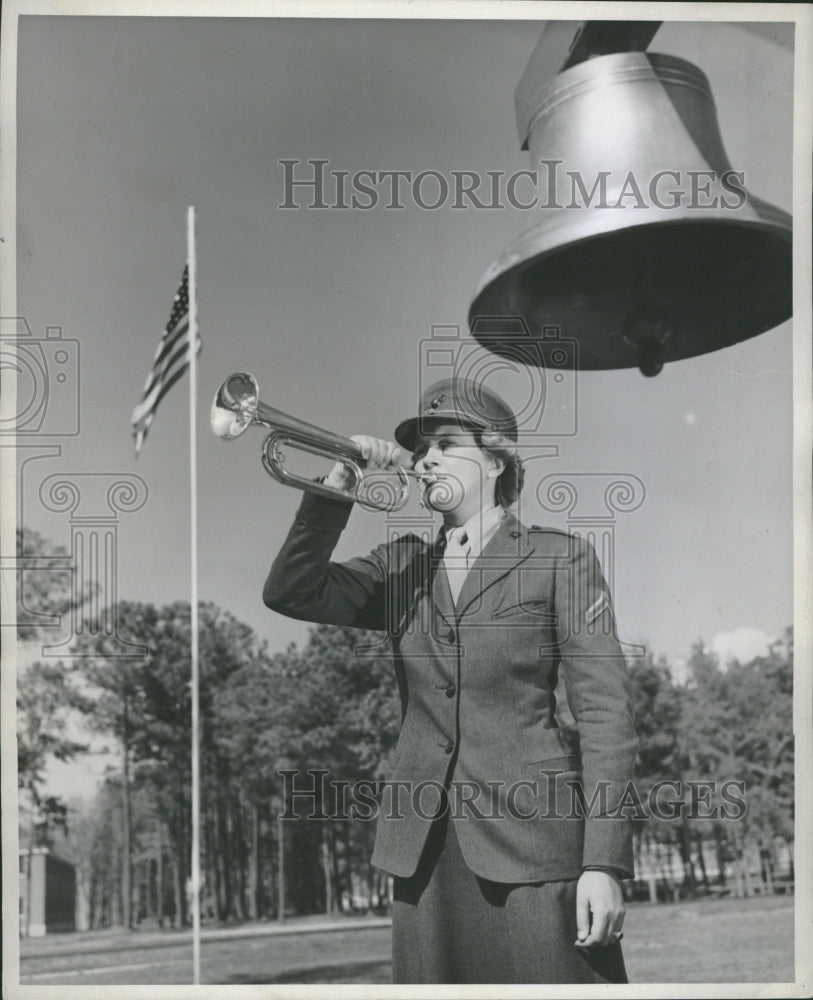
x,y
323,513
606,868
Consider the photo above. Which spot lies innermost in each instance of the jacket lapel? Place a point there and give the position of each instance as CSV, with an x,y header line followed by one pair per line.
x,y
439,586
442,594
510,546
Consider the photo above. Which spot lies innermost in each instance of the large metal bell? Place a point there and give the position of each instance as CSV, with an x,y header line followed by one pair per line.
x,y
657,251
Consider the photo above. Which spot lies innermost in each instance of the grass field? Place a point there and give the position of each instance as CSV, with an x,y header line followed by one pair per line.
x,y
714,941
724,940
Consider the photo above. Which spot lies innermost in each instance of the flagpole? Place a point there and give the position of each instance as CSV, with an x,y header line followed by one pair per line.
x,y
193,522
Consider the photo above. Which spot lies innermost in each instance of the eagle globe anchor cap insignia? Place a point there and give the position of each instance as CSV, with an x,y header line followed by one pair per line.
x,y
458,400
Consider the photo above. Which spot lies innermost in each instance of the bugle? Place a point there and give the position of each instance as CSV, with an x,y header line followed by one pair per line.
x,y
237,405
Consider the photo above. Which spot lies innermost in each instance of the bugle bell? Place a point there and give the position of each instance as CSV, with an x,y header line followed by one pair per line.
x,y
237,406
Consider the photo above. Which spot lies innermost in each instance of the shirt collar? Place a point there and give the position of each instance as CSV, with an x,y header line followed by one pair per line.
x,y
482,524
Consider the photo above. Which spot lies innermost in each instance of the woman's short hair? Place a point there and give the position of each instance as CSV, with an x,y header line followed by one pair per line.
x,y
511,479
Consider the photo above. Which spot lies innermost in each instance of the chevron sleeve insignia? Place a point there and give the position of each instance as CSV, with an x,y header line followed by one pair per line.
x,y
597,608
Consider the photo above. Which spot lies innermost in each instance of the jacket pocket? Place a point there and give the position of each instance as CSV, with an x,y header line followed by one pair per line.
x,y
555,765
553,746
553,806
533,610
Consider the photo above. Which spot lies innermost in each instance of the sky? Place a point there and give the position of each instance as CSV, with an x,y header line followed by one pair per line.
x,y
125,121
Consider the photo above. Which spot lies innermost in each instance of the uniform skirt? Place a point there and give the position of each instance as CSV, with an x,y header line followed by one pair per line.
x,y
451,926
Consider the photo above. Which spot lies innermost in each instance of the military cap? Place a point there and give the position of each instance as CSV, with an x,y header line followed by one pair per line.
x,y
461,401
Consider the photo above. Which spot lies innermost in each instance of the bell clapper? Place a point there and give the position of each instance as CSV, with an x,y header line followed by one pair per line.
x,y
647,331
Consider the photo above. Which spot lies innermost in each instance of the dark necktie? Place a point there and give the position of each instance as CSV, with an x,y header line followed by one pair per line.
x,y
456,559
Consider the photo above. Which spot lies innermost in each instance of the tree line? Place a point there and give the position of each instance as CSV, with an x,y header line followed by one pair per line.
x,y
333,705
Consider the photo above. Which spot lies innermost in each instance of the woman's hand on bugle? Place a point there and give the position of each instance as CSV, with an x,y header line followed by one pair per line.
x,y
377,454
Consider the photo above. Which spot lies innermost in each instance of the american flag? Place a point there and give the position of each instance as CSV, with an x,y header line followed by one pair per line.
x,y
170,362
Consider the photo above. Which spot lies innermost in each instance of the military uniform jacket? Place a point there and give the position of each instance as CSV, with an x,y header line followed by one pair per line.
x,y
477,681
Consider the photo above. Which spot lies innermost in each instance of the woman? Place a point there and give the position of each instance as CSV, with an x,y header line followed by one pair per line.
x,y
505,875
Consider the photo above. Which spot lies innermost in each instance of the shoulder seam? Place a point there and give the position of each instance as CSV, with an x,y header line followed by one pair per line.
x,y
553,531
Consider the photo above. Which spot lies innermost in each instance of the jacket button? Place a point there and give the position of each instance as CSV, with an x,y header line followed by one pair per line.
x,y
450,691
447,747
450,636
